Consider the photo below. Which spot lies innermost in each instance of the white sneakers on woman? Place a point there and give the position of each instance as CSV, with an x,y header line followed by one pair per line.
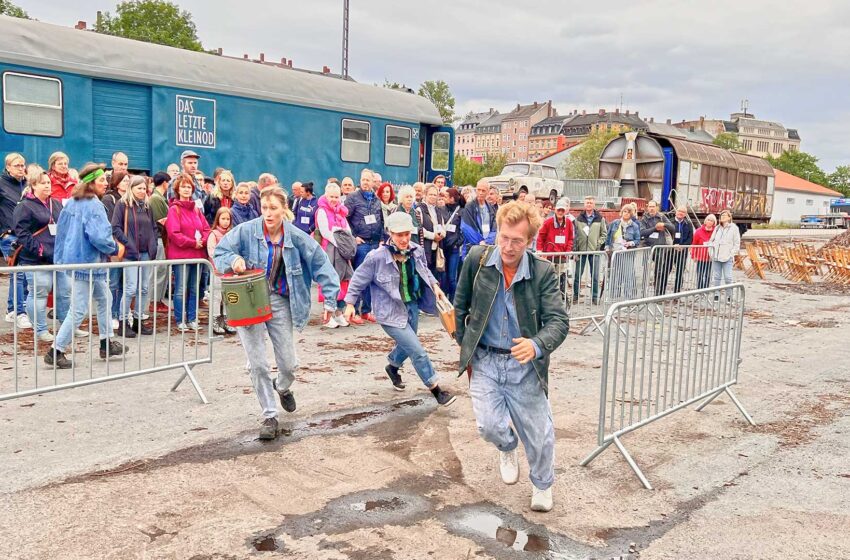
x,y
541,500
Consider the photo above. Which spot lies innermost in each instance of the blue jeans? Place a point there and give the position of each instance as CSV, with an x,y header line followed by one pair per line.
x,y
41,284
593,262
505,392
116,281
364,302
185,284
83,290
407,345
17,296
136,283
721,273
448,278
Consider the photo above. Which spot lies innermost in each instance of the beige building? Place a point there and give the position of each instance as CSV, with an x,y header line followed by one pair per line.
x,y
758,138
580,126
488,136
516,128
547,137
465,133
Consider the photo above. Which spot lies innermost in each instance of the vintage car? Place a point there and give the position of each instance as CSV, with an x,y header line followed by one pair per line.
x,y
540,180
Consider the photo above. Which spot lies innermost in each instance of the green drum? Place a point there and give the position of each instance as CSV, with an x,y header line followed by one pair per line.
x,y
246,297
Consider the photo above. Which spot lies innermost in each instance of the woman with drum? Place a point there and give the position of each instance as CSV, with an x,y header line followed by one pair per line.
x,y
285,261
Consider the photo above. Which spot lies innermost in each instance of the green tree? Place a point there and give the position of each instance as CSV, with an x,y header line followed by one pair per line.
x,y
840,179
493,164
583,162
154,21
438,93
802,165
466,171
728,140
9,9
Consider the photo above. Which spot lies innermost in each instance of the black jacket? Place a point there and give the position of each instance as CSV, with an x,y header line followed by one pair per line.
x,y
647,230
29,217
211,207
10,194
428,225
141,230
454,239
686,230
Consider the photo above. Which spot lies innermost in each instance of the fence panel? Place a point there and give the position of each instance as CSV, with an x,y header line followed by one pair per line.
x,y
582,275
628,276
87,302
664,353
678,268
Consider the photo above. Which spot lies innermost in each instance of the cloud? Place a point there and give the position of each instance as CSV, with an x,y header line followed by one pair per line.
x,y
668,60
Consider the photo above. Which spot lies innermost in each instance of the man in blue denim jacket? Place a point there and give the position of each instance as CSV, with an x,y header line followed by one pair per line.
x,y
399,278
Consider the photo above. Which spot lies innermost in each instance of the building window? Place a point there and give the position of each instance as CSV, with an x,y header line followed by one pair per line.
x,y
810,202
32,105
789,200
356,140
440,151
397,150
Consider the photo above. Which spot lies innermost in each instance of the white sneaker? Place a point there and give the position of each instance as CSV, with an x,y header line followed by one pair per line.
x,y
80,333
541,500
340,320
114,324
331,323
509,466
145,316
23,321
182,327
193,325
45,337
10,317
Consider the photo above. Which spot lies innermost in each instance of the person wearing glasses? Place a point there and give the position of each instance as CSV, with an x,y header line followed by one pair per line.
x,y
510,317
12,184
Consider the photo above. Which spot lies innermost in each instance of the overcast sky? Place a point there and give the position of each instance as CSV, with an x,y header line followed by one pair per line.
x,y
676,60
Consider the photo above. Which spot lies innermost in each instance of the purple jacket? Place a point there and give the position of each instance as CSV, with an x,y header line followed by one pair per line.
x,y
380,274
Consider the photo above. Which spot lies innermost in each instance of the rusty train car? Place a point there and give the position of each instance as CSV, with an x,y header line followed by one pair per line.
x,y
679,172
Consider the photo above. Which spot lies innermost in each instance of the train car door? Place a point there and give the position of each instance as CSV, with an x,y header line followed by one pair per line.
x,y
421,135
122,122
439,153
669,180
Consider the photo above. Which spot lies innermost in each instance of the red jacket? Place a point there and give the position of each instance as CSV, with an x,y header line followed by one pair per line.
x,y
183,220
553,238
701,236
61,187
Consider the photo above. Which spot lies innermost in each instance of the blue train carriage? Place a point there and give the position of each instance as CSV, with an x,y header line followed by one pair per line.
x,y
90,95
676,171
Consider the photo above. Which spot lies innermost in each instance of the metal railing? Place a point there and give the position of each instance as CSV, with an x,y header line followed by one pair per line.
x,y
603,190
84,300
678,268
582,276
662,354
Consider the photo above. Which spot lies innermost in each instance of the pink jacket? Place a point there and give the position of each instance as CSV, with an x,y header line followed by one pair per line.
x,y
336,216
183,220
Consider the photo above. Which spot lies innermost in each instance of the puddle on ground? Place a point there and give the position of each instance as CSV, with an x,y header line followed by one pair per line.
x,y
265,543
491,525
391,504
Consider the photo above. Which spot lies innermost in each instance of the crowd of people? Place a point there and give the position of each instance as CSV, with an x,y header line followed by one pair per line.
x,y
378,253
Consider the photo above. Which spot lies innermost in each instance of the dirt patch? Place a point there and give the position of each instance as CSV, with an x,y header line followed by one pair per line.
x,y
757,315
817,289
800,427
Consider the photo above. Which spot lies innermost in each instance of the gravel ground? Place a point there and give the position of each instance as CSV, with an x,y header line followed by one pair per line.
x,y
128,469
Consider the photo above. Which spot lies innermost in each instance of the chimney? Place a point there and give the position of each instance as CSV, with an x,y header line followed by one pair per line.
x,y
535,104
290,63
219,51
627,112
601,112
326,70
583,112
517,107
80,25
637,114
669,121
245,56
702,123
262,57
491,110
617,111
651,120
283,61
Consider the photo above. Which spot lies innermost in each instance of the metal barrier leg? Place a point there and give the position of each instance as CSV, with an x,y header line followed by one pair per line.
x,y
740,407
188,373
596,453
632,463
709,399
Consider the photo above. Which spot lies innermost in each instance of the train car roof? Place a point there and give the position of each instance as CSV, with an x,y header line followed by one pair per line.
x,y
710,154
58,48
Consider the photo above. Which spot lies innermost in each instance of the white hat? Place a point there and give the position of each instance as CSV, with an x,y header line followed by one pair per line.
x,y
400,222
564,203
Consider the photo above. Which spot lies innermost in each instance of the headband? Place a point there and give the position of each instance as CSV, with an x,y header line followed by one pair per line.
x,y
92,176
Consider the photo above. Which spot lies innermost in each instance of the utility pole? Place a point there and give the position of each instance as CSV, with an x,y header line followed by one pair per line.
x,y
345,39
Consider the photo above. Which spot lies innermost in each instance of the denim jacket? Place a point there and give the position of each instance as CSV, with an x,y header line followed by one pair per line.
x,y
380,273
630,233
84,235
304,260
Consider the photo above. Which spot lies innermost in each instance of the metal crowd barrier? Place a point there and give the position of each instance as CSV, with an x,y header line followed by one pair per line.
x,y
678,268
577,271
165,349
664,353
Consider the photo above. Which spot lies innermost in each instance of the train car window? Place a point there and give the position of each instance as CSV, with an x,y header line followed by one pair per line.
x,y
356,140
440,151
32,105
397,150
